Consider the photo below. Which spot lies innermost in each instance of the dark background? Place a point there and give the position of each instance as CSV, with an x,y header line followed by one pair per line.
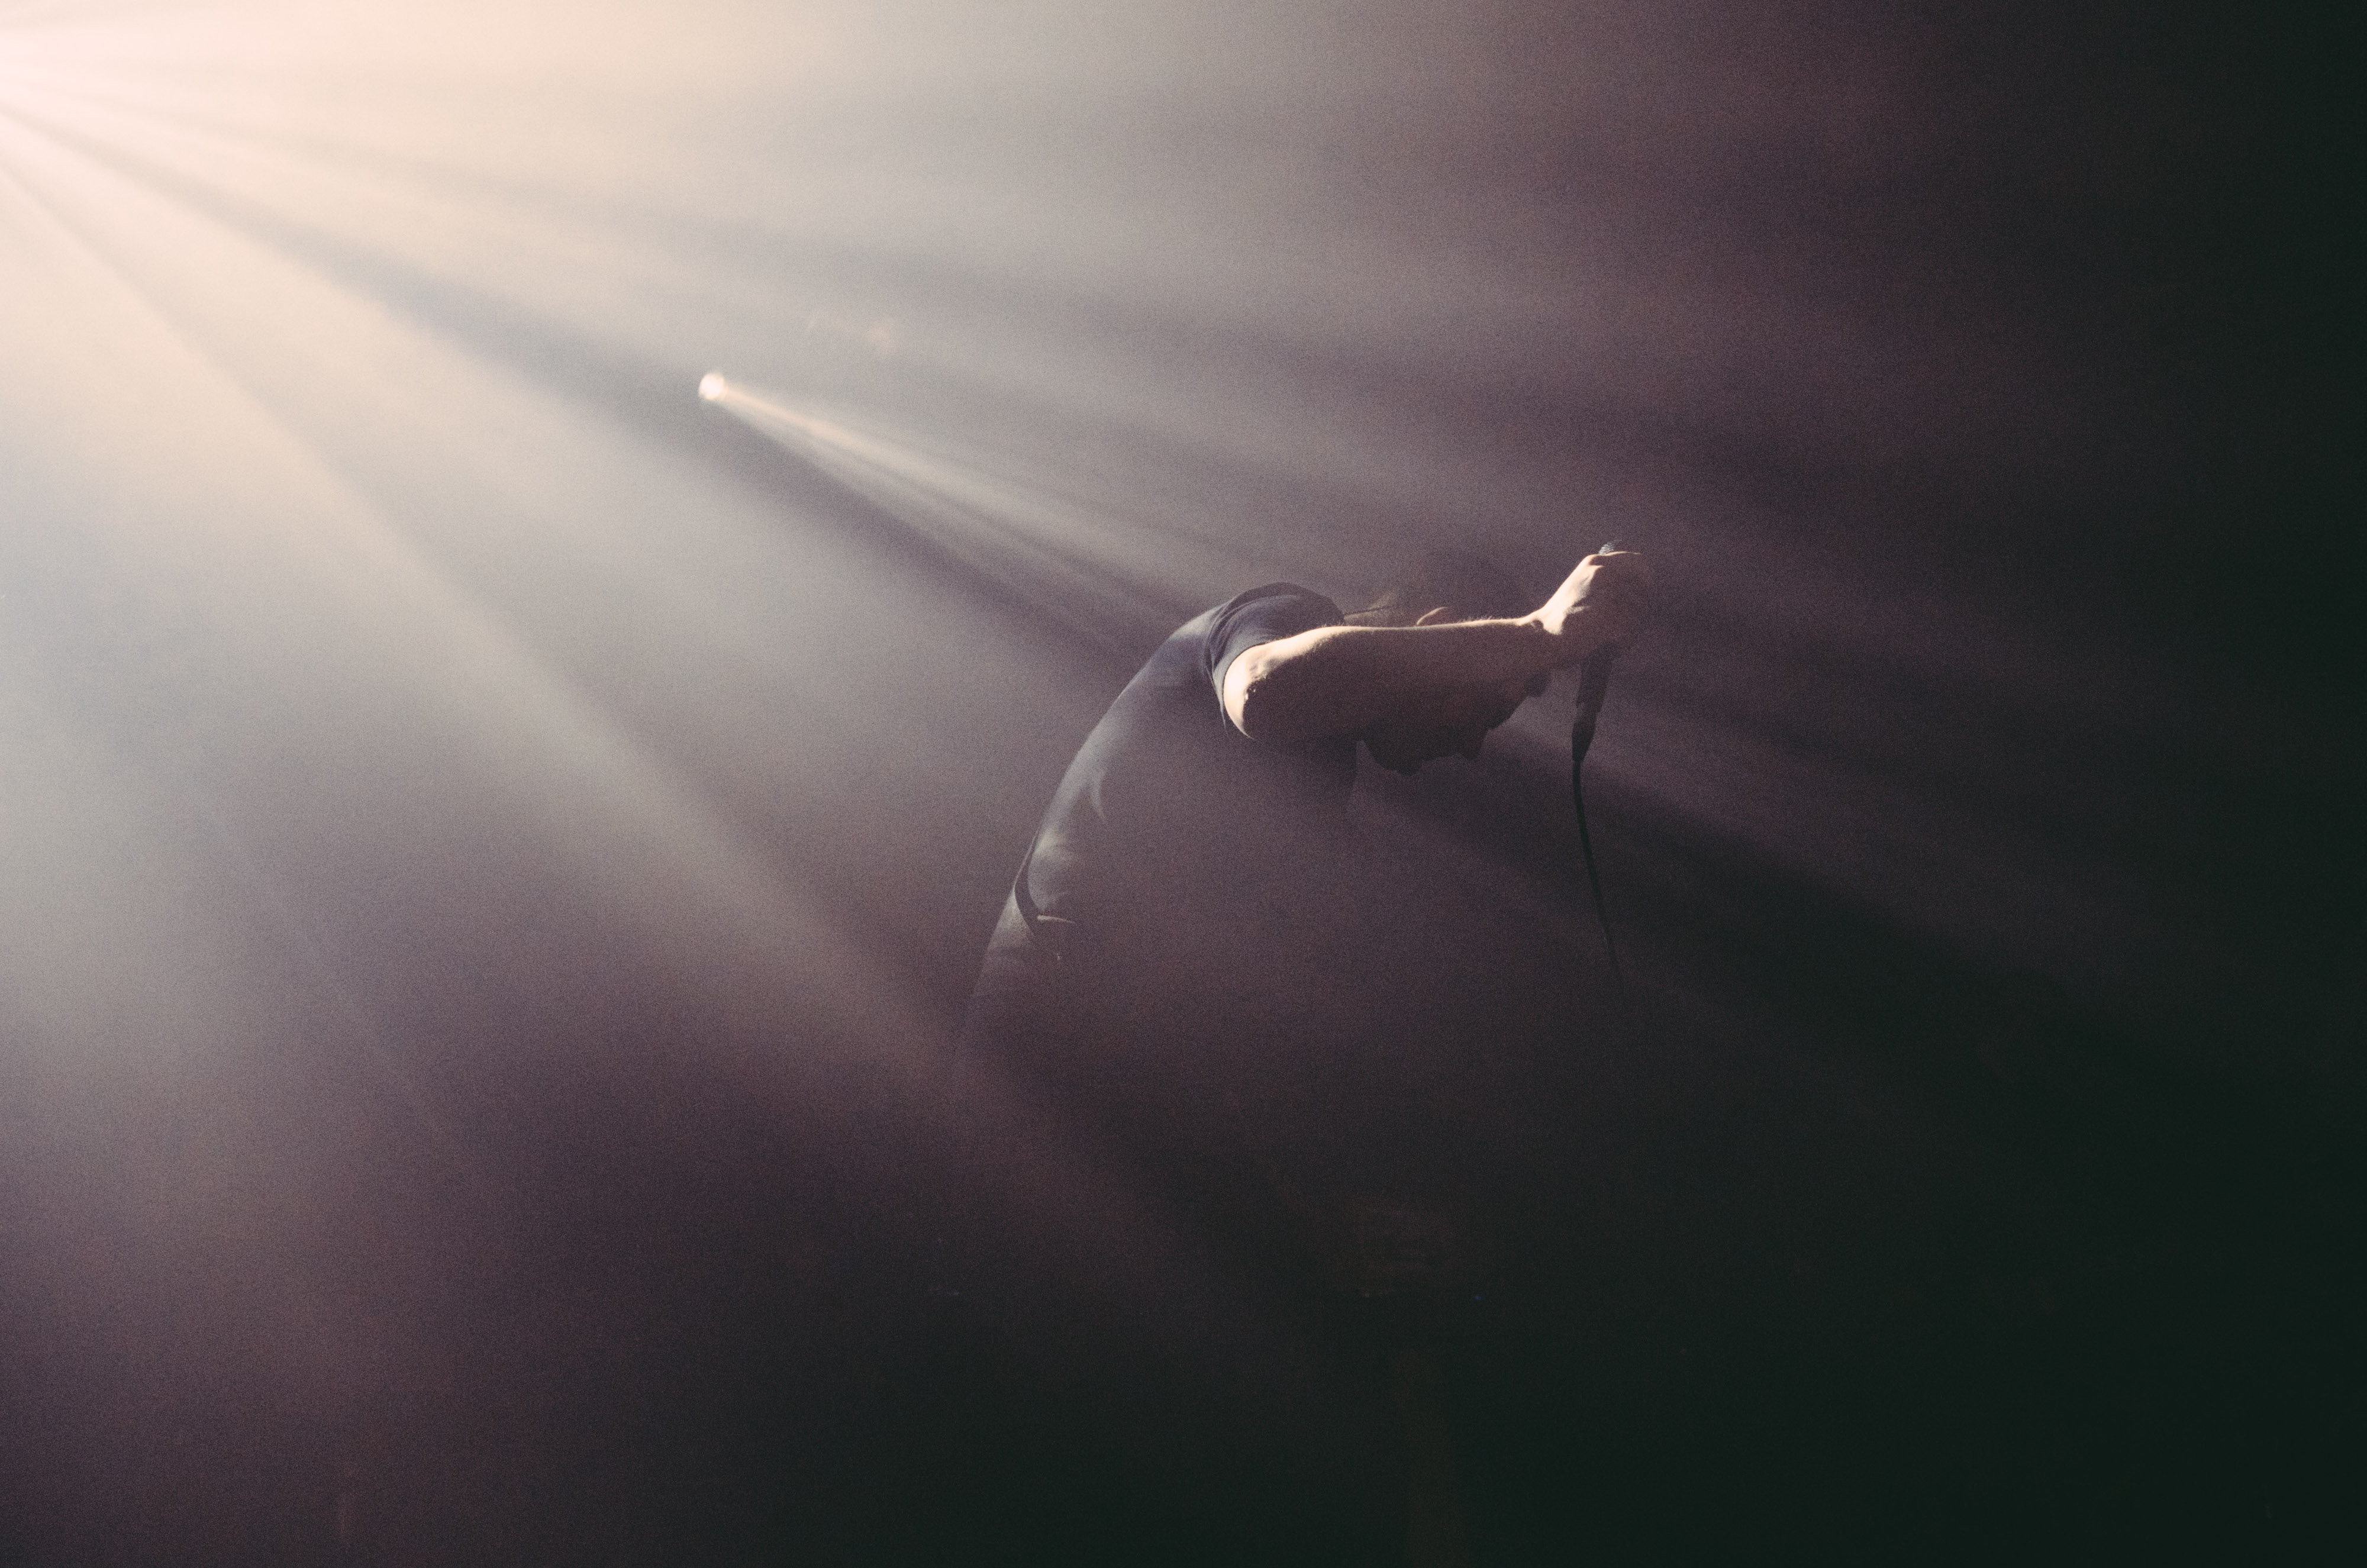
x,y
470,1067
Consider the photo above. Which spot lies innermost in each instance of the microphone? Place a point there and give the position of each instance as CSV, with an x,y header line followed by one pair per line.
x,y
1593,685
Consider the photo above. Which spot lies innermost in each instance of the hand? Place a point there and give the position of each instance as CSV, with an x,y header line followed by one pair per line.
x,y
1603,602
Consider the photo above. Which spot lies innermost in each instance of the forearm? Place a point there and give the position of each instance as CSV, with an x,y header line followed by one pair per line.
x,y
1337,680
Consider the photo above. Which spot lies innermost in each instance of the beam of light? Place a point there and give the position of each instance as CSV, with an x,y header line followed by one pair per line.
x,y
244,478
366,569
818,193
387,542
1039,540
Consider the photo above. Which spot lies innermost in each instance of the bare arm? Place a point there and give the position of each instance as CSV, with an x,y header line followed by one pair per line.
x,y
1337,680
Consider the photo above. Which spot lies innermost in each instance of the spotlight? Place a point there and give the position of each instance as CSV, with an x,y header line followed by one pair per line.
x,y
712,386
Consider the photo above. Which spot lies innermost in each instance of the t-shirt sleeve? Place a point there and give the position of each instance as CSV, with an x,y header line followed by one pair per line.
x,y
1264,614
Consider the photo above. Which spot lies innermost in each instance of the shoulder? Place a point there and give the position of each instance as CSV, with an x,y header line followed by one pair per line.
x,y
1276,610
1270,614
1282,592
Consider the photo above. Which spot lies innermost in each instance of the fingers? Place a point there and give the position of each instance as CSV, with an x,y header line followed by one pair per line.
x,y
1613,589
1603,599
1622,574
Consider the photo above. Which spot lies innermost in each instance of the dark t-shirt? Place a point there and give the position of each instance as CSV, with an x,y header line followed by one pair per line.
x,y
1132,1007
1167,807
1174,843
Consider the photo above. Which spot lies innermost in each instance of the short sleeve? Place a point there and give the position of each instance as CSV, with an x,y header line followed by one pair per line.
x,y
1263,615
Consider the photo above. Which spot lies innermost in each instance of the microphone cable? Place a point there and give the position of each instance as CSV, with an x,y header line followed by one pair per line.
x,y
1593,685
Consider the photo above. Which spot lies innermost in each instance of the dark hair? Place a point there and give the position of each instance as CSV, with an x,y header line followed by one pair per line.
x,y
1472,586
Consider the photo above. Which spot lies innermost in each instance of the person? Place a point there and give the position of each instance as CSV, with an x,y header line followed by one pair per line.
x,y
1181,928
1211,792
1151,1006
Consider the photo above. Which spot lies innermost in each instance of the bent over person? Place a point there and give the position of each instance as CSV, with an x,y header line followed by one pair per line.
x,y
1182,847
1167,949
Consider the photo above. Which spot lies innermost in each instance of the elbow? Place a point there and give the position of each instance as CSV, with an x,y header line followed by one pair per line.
x,y
1256,713
1269,722
1260,701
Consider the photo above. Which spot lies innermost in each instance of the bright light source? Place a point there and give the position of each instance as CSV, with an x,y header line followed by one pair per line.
x,y
712,386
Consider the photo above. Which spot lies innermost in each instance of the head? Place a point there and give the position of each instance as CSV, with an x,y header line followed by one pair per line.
x,y
1436,587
